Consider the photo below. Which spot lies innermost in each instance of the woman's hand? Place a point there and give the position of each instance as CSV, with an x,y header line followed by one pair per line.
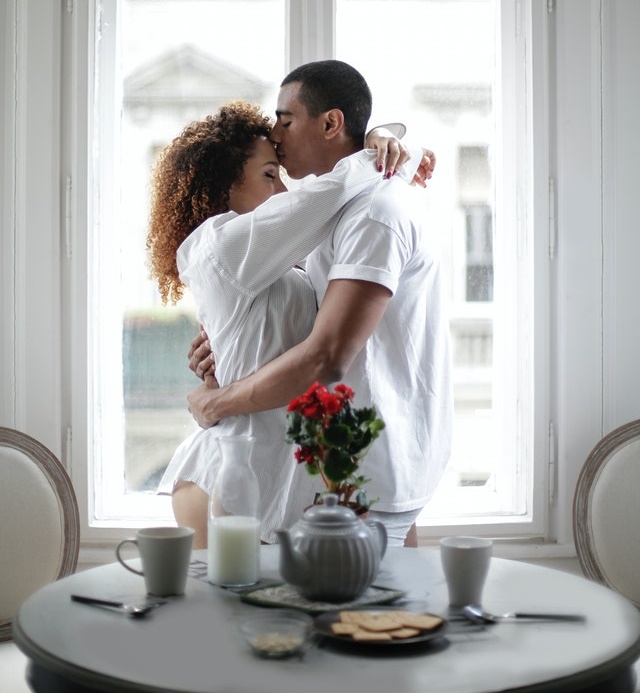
x,y
202,363
201,359
425,169
391,152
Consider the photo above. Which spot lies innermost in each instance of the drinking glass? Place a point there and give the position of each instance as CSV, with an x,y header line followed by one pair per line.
x,y
234,527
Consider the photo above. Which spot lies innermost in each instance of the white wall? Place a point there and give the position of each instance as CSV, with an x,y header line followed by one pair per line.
x,y
595,155
30,394
595,152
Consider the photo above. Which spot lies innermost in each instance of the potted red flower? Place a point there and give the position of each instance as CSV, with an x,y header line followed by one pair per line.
x,y
333,437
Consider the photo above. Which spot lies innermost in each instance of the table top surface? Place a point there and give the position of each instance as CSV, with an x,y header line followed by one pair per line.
x,y
191,645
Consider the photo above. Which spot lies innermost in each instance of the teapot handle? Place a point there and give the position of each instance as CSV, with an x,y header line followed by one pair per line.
x,y
382,535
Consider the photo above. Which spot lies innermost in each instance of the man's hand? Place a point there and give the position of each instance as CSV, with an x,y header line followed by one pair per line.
x,y
201,359
425,169
200,399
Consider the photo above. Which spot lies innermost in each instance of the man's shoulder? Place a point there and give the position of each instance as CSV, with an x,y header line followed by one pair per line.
x,y
394,204
385,193
397,191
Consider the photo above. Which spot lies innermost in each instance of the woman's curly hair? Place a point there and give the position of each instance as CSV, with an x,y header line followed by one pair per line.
x,y
191,182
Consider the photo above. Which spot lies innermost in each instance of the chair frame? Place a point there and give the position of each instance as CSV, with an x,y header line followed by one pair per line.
x,y
595,462
60,482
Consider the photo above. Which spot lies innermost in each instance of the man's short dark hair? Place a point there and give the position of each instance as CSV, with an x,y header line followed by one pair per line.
x,y
328,84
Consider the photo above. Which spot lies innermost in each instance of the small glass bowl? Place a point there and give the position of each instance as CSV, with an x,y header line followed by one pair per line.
x,y
276,633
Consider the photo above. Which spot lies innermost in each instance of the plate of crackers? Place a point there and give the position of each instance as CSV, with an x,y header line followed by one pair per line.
x,y
391,626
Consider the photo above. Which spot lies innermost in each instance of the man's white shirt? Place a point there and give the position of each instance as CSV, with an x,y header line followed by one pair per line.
x,y
404,369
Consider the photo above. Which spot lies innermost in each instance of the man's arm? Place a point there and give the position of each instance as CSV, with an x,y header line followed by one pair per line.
x,y
349,313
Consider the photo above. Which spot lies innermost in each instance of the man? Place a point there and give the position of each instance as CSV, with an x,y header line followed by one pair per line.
x,y
380,327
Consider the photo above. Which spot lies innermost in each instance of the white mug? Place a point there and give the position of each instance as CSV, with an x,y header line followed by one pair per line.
x,y
165,553
465,562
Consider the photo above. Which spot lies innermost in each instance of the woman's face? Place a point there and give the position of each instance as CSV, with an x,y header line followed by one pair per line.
x,y
261,179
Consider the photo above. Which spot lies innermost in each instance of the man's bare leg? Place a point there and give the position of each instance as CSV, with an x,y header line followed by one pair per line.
x,y
411,539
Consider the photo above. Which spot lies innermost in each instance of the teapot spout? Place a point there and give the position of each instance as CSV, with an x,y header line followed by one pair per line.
x,y
294,565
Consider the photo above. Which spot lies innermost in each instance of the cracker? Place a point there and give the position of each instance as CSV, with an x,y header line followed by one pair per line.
x,y
340,628
378,623
350,616
421,621
367,635
405,633
397,615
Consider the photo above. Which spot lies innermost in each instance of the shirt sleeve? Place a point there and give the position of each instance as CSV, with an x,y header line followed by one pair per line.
x,y
369,250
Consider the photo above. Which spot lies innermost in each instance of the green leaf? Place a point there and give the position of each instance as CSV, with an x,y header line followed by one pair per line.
x,y
337,436
376,426
301,430
338,465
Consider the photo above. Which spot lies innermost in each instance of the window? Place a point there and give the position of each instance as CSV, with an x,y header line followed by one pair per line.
x,y
160,64
456,105
476,197
166,63
479,257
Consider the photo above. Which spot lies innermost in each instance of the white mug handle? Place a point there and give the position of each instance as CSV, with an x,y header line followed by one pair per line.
x,y
122,561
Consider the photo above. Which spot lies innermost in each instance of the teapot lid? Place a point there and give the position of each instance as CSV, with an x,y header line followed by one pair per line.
x,y
329,512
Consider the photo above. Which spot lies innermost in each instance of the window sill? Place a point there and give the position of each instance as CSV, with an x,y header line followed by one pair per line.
x,y
560,556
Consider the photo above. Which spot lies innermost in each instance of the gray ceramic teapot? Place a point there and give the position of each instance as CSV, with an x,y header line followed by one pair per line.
x,y
330,554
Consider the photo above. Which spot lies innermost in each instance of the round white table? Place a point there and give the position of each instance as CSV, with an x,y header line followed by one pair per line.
x,y
190,645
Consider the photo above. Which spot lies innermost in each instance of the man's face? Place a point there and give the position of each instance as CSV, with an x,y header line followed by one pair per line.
x,y
298,138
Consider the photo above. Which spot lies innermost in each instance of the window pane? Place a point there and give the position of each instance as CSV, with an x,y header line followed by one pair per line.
x,y
163,63
175,61
439,77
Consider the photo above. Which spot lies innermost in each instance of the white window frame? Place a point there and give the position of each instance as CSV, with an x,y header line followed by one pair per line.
x,y
317,21
44,188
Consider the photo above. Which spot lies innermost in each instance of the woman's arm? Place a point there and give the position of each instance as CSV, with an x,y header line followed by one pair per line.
x,y
255,249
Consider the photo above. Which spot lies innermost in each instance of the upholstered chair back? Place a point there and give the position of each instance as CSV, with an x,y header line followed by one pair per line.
x,y
39,525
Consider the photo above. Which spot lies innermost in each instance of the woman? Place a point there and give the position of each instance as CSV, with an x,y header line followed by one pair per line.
x,y
210,230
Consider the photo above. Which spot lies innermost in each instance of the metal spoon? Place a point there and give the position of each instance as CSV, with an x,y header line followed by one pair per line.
x,y
133,610
479,615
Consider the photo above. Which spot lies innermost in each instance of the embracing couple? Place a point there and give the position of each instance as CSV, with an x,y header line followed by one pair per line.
x,y
367,309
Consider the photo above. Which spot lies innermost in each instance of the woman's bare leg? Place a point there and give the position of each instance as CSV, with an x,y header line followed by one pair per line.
x,y
191,509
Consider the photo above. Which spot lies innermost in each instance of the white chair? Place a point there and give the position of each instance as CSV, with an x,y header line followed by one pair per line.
x,y
39,536
606,520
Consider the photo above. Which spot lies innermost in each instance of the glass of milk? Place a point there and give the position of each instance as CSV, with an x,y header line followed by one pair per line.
x,y
234,527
